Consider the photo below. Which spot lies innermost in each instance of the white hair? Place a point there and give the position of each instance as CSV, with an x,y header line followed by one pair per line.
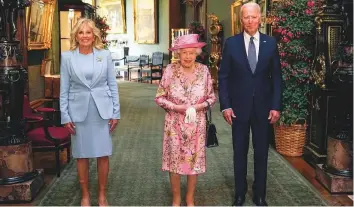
x,y
248,5
198,51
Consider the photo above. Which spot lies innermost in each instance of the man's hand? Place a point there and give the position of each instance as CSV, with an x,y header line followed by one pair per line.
x,y
113,124
228,115
71,127
273,116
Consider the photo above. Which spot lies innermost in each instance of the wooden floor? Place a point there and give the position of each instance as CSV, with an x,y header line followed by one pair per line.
x,y
297,162
309,173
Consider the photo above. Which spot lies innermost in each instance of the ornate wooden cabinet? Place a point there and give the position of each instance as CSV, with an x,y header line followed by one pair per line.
x,y
87,10
19,181
69,12
332,98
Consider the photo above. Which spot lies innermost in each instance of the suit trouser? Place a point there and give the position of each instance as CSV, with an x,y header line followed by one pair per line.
x,y
260,141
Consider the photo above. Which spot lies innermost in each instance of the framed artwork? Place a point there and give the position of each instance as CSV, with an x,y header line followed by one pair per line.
x,y
145,21
114,11
39,19
263,26
235,17
202,12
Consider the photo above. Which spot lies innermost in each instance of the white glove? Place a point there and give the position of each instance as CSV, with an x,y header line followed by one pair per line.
x,y
191,115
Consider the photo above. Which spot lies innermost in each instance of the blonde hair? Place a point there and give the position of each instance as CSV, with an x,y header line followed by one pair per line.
x,y
96,32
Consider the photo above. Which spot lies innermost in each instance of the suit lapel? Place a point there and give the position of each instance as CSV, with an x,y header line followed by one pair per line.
x,y
262,46
244,53
97,66
77,68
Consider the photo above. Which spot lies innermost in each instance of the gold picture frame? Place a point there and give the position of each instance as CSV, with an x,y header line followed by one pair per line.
x,y
39,19
145,21
114,11
235,17
263,26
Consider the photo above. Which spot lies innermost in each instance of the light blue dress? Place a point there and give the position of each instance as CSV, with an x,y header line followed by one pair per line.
x,y
92,137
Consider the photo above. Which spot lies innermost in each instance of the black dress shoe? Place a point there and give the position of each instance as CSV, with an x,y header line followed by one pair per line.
x,y
239,201
259,201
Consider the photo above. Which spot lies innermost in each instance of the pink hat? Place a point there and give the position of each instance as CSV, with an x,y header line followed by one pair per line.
x,y
187,41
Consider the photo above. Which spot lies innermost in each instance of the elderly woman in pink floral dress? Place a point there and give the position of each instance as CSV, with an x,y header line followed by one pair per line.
x,y
186,85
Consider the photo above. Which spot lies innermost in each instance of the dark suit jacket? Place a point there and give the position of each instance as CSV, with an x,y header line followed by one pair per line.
x,y
240,89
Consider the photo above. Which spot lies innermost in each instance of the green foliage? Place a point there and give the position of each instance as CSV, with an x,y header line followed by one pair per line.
x,y
294,27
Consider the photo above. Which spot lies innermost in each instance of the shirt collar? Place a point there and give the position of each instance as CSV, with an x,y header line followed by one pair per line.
x,y
248,37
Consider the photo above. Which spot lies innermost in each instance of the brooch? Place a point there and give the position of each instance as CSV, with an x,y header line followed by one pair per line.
x,y
99,59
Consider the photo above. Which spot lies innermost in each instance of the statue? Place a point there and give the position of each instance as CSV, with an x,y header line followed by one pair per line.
x,y
216,32
8,14
16,168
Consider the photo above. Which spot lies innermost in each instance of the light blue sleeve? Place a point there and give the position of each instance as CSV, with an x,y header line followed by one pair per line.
x,y
113,86
64,88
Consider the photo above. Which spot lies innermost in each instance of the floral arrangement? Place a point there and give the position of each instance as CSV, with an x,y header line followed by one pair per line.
x,y
294,27
101,24
197,28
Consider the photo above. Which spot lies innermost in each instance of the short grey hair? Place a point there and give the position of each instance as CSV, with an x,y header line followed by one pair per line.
x,y
248,5
198,51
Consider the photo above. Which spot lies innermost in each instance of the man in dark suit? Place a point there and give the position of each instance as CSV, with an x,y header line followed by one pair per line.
x,y
250,96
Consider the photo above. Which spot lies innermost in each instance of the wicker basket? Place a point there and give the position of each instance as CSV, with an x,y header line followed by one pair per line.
x,y
290,140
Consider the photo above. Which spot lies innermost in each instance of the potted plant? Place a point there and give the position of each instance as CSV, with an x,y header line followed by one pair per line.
x,y
294,27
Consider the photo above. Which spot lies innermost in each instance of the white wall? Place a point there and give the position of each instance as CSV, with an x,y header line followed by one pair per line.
x,y
163,27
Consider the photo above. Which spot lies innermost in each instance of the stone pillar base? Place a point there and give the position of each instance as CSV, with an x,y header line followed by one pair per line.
x,y
16,160
334,183
22,192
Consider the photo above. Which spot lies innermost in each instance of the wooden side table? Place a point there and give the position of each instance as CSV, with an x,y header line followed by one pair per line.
x,y
52,86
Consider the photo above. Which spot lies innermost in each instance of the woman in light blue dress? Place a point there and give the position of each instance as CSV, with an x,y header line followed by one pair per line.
x,y
89,104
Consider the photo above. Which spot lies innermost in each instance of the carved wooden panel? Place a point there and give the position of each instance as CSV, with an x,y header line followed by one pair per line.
x,y
52,86
334,35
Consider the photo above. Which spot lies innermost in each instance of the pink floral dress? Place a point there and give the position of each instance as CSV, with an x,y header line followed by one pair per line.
x,y
184,144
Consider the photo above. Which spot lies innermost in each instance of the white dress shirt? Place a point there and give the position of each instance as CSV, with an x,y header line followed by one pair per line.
x,y
247,39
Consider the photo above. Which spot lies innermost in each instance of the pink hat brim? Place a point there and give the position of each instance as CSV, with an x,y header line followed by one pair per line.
x,y
193,45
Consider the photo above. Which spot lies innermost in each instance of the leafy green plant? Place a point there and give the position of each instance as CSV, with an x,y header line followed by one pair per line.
x,y
294,27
